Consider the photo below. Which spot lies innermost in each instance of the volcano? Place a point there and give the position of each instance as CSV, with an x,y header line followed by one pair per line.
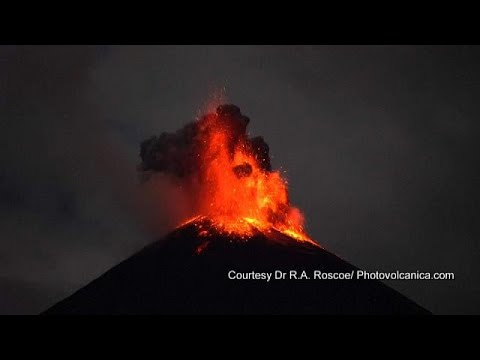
x,y
244,231
187,272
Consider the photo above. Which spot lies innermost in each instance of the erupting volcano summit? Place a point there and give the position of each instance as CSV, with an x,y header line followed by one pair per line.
x,y
242,223
228,174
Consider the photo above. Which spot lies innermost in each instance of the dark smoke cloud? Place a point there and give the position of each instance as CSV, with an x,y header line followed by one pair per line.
x,y
178,153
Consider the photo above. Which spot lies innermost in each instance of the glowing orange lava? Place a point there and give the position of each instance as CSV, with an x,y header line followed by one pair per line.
x,y
236,193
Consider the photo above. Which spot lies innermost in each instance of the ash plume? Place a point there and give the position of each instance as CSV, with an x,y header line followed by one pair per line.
x,y
177,154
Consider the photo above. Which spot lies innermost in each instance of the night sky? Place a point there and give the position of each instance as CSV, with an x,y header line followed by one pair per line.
x,y
380,145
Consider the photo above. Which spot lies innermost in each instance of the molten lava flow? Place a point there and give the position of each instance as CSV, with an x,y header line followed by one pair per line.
x,y
237,192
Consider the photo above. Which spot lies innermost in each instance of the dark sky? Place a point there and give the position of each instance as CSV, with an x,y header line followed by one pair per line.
x,y
380,145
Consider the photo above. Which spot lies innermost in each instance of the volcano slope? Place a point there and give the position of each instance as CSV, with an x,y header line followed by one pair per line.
x,y
187,273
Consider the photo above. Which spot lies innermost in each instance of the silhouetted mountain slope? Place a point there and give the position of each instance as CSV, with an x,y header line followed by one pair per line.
x,y
186,273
